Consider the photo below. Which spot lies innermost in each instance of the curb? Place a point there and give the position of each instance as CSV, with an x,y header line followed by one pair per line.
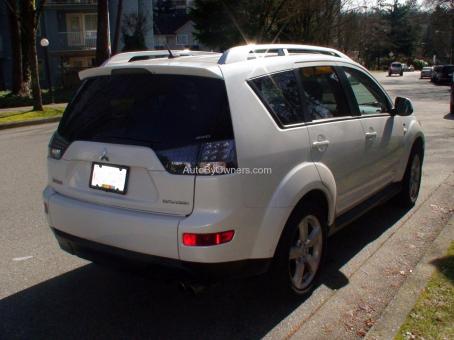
x,y
29,122
397,310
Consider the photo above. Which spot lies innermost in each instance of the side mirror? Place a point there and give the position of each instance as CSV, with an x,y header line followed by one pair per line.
x,y
402,107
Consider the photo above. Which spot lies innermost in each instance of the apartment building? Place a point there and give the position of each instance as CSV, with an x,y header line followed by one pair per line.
x,y
71,28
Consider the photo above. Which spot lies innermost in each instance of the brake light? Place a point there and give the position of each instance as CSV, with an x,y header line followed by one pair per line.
x,y
211,158
57,146
204,240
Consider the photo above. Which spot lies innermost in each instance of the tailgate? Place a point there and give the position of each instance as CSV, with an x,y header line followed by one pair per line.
x,y
150,187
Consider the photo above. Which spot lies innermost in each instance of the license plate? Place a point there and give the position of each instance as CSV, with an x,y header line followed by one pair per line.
x,y
112,178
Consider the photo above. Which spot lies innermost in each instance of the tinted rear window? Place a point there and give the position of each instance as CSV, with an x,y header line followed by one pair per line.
x,y
151,110
448,69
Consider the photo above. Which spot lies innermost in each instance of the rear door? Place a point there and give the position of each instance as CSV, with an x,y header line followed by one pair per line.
x,y
336,134
151,126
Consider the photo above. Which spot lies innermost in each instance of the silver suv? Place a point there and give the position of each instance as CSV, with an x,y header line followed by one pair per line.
x,y
396,68
227,164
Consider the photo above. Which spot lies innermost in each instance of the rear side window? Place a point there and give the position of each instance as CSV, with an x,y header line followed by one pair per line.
x,y
158,111
280,94
322,92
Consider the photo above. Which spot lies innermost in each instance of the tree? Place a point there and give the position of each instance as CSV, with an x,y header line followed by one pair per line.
x,y
134,29
446,9
438,38
163,7
30,14
19,86
401,33
221,24
238,21
102,37
117,27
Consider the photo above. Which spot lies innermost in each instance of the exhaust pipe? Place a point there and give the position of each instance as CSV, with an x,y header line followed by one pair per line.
x,y
191,287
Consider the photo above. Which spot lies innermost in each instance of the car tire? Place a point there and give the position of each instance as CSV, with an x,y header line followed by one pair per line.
x,y
301,251
401,74
411,182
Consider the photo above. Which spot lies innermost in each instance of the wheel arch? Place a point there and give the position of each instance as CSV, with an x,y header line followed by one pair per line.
x,y
418,144
414,140
316,196
305,184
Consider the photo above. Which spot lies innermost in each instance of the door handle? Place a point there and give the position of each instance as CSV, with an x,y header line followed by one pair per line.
x,y
371,135
320,145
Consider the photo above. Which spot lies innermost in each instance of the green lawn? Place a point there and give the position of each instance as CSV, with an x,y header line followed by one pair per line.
x,y
17,116
61,95
432,317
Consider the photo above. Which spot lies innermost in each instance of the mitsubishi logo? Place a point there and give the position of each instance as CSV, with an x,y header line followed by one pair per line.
x,y
103,156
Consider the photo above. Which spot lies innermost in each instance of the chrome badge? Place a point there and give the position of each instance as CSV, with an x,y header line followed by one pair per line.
x,y
103,156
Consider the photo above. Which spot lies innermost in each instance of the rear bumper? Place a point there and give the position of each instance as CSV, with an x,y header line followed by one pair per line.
x,y
158,267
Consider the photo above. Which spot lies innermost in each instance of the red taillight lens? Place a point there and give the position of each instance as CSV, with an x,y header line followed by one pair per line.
x,y
210,158
203,240
57,146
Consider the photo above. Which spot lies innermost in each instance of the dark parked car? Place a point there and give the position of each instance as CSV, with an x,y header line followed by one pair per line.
x,y
442,74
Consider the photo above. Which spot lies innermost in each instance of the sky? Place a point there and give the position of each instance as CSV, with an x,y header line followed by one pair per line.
x,y
354,4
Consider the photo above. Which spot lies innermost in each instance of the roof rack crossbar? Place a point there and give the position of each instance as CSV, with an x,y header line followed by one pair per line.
x,y
243,53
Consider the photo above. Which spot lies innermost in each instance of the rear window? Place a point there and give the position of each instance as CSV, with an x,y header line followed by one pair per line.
x,y
448,69
159,111
396,64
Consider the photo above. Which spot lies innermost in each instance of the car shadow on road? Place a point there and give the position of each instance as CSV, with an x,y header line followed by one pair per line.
x,y
449,116
93,302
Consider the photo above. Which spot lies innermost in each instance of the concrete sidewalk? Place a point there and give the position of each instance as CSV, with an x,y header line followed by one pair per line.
x,y
396,312
376,276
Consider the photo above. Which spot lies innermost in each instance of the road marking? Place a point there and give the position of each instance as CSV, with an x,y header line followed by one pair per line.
x,y
24,258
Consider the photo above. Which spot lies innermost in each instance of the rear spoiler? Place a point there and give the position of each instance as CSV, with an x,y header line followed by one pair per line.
x,y
210,71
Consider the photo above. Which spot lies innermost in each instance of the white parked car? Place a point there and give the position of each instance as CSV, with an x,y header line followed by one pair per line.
x,y
426,72
227,164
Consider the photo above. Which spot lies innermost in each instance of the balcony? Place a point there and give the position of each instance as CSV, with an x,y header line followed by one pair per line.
x,y
85,40
71,4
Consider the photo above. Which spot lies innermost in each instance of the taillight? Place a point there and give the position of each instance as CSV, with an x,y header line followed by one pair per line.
x,y
204,240
57,146
210,158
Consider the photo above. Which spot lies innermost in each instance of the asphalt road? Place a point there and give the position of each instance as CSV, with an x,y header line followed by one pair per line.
x,y
46,293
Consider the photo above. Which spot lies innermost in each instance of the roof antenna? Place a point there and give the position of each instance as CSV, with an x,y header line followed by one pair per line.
x,y
171,55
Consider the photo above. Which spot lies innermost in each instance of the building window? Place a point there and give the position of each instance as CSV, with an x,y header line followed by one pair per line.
x,y
81,29
182,39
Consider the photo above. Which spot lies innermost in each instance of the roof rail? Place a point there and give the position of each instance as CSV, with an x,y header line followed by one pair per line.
x,y
246,52
127,57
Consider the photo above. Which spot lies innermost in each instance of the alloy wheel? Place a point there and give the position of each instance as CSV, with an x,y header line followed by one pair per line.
x,y
306,252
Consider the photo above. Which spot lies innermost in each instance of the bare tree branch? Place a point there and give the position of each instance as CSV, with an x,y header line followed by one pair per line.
x,y
10,7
